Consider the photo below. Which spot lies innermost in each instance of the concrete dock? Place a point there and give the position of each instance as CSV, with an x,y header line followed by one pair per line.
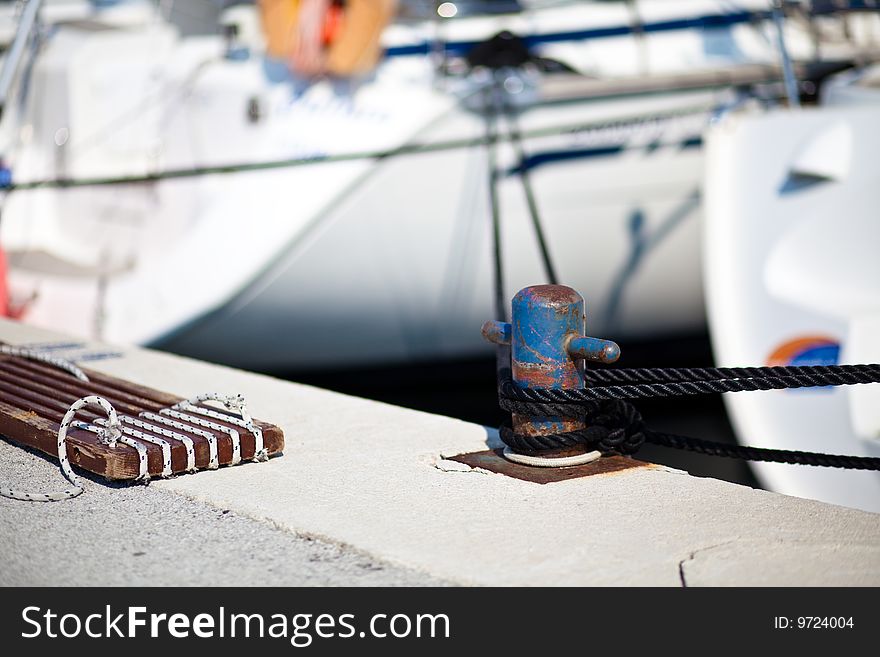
x,y
367,494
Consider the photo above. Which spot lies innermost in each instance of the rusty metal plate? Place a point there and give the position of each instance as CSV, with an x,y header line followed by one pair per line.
x,y
493,461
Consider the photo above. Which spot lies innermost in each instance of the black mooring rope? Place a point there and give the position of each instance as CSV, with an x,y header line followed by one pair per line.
x,y
678,374
677,382
616,426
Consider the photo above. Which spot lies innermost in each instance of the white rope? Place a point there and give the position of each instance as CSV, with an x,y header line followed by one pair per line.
x,y
234,403
143,465
163,444
545,462
109,435
162,431
234,436
213,460
30,354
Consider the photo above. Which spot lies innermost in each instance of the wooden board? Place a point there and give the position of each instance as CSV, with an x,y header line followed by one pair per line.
x,y
34,397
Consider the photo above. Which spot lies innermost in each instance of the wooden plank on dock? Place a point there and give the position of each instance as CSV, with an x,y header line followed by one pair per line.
x,y
34,396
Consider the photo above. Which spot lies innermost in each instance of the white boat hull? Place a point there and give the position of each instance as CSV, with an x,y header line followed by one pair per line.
x,y
792,278
364,260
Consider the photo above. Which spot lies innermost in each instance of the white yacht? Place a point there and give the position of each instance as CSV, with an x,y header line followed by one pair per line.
x,y
181,190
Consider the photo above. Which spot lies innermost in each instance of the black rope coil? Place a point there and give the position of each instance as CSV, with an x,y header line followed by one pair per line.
x,y
614,426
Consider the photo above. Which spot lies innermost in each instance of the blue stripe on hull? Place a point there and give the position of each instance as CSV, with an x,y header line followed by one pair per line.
x,y
535,160
709,21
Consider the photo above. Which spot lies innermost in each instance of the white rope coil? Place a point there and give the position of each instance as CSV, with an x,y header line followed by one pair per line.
x,y
30,354
109,434
545,462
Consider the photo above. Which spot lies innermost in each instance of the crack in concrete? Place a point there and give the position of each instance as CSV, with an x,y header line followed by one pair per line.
x,y
681,576
446,465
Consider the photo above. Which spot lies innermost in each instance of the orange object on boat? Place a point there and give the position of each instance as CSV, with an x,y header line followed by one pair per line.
x,y
332,23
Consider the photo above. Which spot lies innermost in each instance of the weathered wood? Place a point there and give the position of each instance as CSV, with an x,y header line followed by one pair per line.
x,y
34,397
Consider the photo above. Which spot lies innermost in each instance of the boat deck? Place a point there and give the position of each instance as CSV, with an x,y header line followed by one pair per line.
x,y
368,493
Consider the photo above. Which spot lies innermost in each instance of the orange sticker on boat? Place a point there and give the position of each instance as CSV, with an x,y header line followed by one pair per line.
x,y
806,350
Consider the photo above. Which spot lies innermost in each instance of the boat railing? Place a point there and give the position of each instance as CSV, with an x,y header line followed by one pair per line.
x,y
27,19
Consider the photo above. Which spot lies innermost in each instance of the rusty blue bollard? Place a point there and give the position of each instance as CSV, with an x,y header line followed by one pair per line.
x,y
548,350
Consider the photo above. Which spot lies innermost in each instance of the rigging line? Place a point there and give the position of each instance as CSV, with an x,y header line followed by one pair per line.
x,y
406,149
463,261
792,90
515,137
491,137
642,244
502,352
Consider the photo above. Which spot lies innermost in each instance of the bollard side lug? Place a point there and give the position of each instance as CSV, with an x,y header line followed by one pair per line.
x,y
593,349
496,332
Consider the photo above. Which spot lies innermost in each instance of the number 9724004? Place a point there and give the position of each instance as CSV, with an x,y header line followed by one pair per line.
x,y
824,622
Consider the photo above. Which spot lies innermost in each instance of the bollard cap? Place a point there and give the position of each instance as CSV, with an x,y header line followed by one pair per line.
x,y
557,296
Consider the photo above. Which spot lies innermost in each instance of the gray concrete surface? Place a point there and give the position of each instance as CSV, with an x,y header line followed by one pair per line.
x,y
376,478
131,535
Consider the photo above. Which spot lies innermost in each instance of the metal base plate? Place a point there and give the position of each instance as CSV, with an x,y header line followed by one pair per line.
x,y
494,461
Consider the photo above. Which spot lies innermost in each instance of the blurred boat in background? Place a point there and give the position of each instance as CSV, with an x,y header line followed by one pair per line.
x,y
793,278
187,193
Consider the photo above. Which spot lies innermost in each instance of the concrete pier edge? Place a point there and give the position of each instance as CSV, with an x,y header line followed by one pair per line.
x,y
367,491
